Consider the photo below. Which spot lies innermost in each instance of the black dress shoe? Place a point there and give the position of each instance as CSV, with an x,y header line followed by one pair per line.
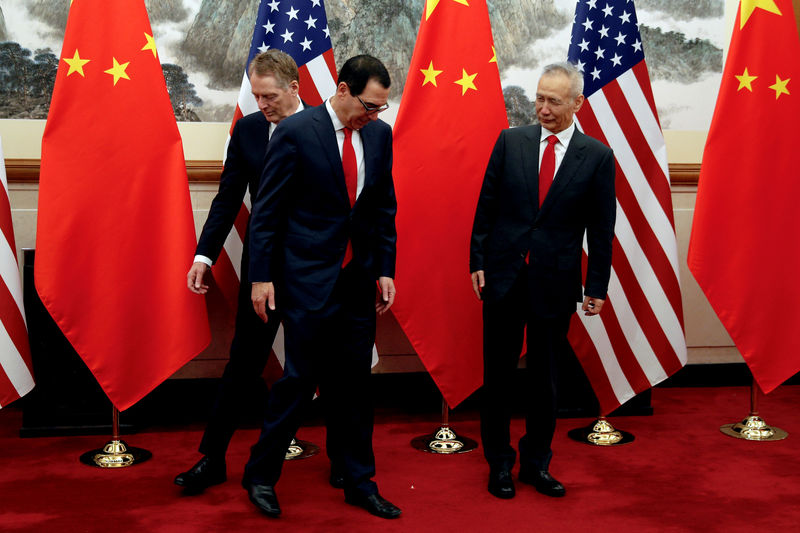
x,y
337,479
543,481
375,504
264,497
204,474
501,484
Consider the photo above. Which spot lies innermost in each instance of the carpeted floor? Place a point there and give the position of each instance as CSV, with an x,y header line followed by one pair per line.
x,y
680,474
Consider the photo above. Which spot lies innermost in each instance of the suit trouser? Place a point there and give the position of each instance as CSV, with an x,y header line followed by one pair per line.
x,y
250,349
330,348
504,323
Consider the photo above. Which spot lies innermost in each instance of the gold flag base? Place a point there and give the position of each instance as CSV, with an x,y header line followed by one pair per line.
x,y
443,441
115,454
300,449
753,428
600,433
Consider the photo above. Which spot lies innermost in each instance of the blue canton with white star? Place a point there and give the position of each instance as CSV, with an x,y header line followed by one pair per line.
x,y
297,27
605,41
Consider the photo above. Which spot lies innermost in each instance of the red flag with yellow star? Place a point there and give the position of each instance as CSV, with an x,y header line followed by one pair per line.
x,y
743,249
114,224
450,116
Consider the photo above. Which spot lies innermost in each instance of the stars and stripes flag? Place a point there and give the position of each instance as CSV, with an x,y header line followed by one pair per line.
x,y
299,28
16,372
639,339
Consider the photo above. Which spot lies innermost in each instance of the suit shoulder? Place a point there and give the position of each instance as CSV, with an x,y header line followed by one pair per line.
x,y
592,143
520,132
252,121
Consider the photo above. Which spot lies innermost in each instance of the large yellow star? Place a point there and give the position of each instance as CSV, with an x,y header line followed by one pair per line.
x,y
75,63
151,44
118,70
430,74
748,6
745,80
431,5
780,86
466,82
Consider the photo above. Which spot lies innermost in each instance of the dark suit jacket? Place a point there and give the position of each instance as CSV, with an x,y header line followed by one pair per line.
x,y
508,222
243,166
302,211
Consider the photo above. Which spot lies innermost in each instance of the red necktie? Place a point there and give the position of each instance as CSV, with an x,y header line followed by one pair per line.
x,y
548,169
350,168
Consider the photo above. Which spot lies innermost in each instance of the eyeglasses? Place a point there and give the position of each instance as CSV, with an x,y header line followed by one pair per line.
x,y
370,109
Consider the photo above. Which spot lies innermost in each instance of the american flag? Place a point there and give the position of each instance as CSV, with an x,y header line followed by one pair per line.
x,y
16,373
639,339
299,28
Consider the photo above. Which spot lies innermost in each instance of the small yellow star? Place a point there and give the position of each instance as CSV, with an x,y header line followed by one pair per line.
x,y
118,70
745,81
430,75
150,45
780,86
494,56
75,63
748,6
431,5
466,82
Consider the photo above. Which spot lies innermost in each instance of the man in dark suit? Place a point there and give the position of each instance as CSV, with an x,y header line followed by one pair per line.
x,y
274,82
322,232
545,187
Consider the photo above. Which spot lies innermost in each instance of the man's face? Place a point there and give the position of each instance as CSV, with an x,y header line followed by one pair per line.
x,y
275,101
555,106
352,112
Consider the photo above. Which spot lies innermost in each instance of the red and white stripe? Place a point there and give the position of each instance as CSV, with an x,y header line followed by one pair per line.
x,y
638,341
16,371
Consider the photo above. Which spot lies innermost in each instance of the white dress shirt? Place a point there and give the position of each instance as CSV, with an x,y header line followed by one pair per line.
x,y
564,137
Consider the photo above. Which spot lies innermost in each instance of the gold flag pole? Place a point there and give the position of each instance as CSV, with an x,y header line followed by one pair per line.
x,y
600,433
444,440
115,454
753,427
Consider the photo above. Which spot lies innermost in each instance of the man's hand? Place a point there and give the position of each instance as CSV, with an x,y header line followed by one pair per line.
x,y
592,306
194,278
388,292
263,295
478,283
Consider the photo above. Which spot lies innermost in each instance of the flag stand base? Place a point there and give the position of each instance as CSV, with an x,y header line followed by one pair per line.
x,y
115,454
444,440
601,433
300,449
753,427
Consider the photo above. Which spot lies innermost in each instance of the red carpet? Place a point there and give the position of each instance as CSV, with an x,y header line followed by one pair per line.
x,y
680,474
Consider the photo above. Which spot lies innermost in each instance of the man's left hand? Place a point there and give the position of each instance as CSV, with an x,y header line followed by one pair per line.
x,y
592,306
388,292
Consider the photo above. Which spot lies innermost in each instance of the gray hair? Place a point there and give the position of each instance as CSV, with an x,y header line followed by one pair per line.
x,y
570,71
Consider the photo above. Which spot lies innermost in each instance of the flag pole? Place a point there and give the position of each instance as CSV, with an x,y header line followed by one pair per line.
x,y
600,433
115,454
753,427
444,440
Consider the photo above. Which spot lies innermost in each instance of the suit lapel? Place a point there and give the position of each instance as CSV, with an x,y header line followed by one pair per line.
x,y
530,164
323,128
576,152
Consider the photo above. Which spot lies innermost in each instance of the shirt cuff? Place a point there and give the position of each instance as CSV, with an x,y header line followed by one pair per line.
x,y
203,259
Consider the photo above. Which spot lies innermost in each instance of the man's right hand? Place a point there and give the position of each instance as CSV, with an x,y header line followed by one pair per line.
x,y
478,283
263,295
194,278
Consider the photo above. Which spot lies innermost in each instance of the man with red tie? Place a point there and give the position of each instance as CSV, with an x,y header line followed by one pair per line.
x,y
322,233
545,188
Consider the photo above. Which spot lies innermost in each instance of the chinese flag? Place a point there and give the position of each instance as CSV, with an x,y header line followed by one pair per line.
x,y
450,116
115,230
743,249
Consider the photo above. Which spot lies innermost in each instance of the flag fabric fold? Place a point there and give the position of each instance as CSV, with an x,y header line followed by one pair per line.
x,y
745,219
302,32
450,116
638,340
16,371
114,227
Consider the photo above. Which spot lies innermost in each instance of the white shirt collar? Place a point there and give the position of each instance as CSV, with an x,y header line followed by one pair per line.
x,y
564,136
337,124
